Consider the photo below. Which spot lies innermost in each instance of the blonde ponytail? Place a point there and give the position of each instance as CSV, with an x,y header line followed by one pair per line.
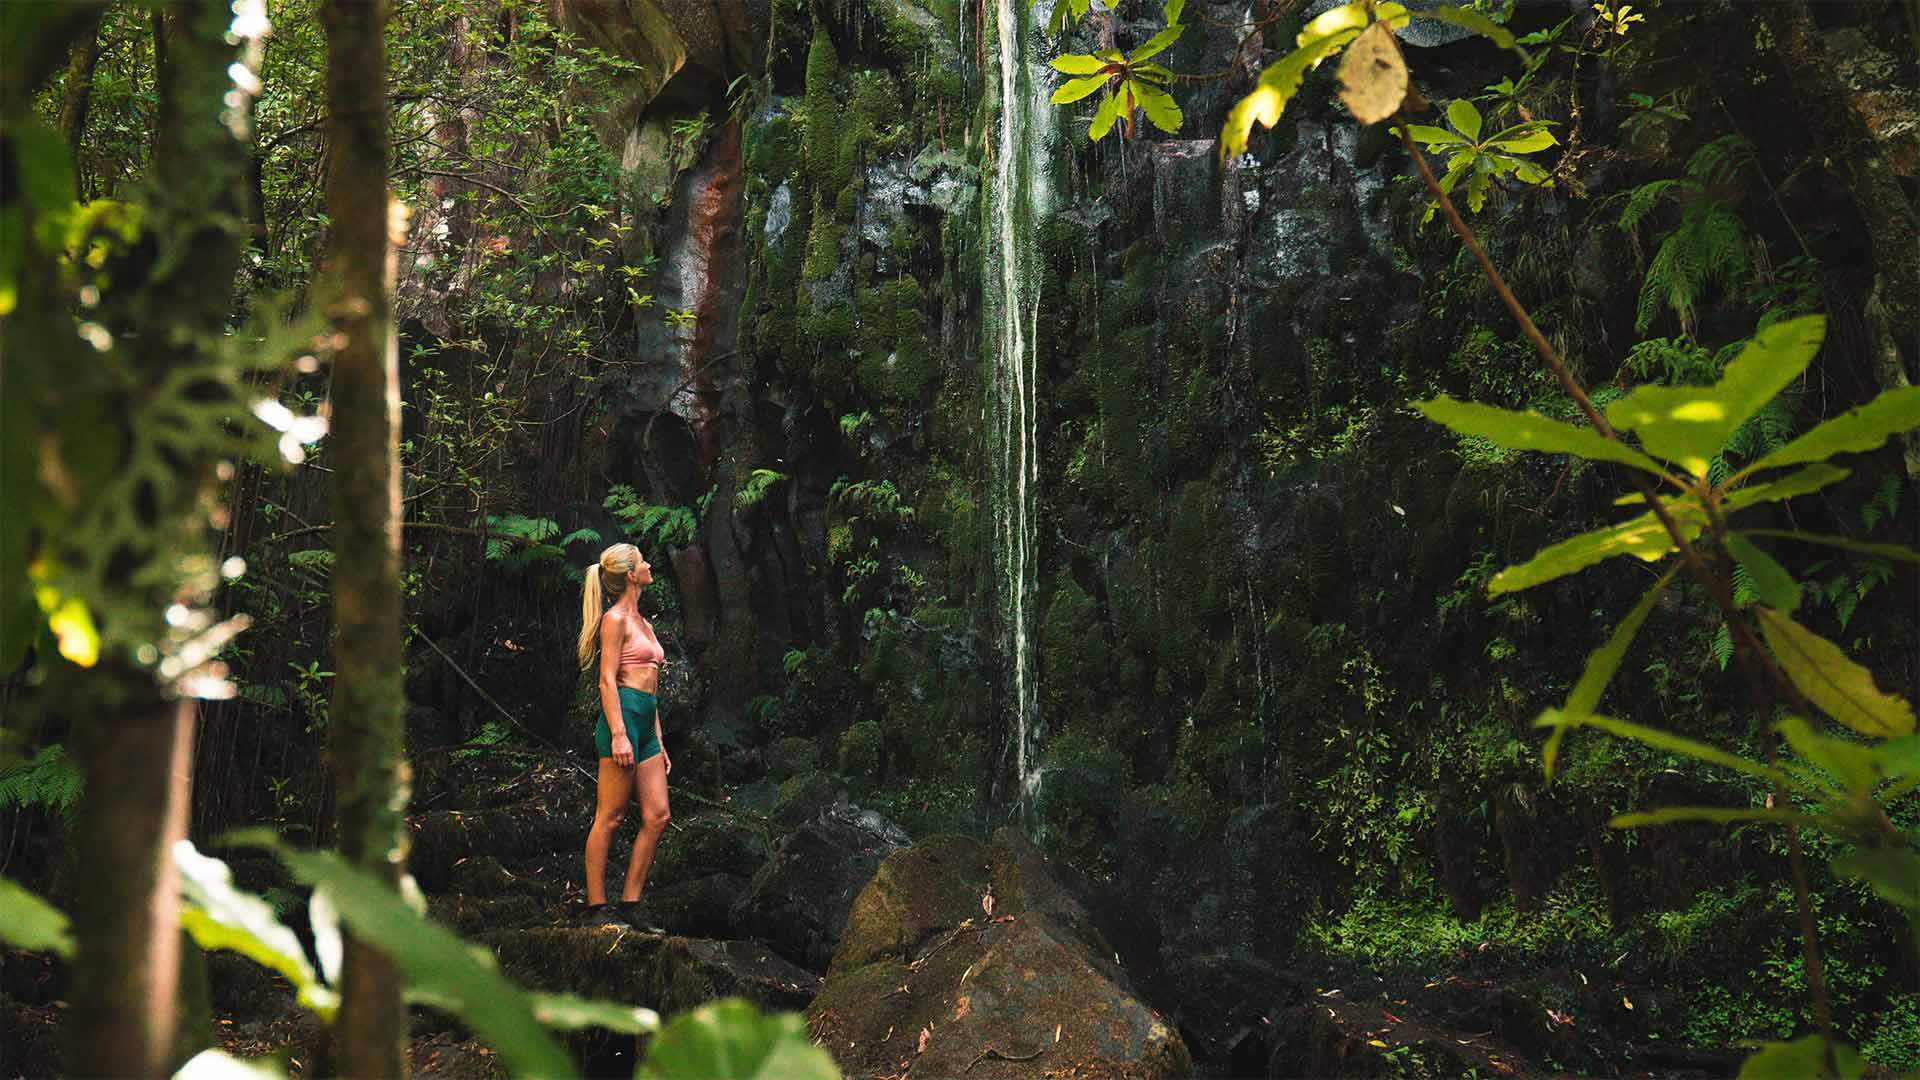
x,y
590,616
619,561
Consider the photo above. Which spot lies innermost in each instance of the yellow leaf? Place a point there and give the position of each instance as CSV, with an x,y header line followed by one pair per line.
x,y
71,623
1376,1042
1373,75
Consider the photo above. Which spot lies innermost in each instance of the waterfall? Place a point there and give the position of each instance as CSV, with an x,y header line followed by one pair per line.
x,y
1020,195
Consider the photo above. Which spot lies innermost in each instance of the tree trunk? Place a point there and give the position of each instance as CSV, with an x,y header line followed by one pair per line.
x,y
369,697
78,92
136,757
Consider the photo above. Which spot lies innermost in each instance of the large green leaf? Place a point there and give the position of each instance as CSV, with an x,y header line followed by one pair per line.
x,y
1852,432
1524,143
1862,547
433,960
1804,482
1690,424
1470,20
1893,873
1643,537
1156,44
1711,815
1159,106
1804,1058
1075,89
1078,63
1858,768
1465,118
1601,667
1278,83
1531,431
1771,580
731,1038
1844,689
219,916
28,922
1434,137
1103,117
1668,741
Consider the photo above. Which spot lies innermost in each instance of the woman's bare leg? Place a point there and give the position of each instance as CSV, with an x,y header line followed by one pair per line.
x,y
611,795
650,790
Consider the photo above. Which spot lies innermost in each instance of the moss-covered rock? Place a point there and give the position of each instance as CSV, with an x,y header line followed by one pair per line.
x,y
660,972
861,751
791,756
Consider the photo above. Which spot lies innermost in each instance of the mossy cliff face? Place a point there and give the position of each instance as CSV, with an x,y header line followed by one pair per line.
x,y
1276,695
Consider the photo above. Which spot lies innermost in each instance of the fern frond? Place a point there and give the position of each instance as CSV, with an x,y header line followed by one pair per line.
x,y
1719,160
48,779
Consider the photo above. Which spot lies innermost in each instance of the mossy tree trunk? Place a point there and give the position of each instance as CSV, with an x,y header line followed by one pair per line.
x,y
136,755
369,698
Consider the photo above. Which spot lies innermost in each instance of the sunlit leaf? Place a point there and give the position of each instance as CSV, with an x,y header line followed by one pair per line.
x,y
1278,83
1831,680
28,922
1524,144
1159,106
1465,118
1643,537
569,1012
1855,431
1690,424
732,1038
1712,815
1434,137
1078,63
432,959
1531,431
219,916
1803,482
1771,580
1373,75
1156,44
1103,117
1804,1058
212,1064
1075,89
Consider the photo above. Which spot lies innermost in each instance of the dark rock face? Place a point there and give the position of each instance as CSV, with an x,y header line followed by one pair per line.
x,y
964,958
799,900
667,973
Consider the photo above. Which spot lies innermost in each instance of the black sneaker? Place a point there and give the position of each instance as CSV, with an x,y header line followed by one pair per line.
x,y
634,914
595,916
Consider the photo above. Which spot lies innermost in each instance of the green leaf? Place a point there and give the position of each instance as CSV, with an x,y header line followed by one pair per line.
x,y
1893,873
1434,137
569,1012
1531,431
1332,23
1642,537
1690,424
1804,482
1854,431
1857,767
1278,83
219,916
1078,64
1470,20
432,959
1159,105
1802,1059
44,170
731,1038
1103,117
1884,551
1771,580
1465,118
1668,741
1524,144
1601,667
1156,44
28,922
1844,689
1075,89
1171,13
1712,815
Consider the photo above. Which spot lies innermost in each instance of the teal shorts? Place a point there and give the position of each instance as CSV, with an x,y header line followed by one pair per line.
x,y
637,709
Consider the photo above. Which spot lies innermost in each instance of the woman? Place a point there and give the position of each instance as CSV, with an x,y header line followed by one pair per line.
x,y
633,760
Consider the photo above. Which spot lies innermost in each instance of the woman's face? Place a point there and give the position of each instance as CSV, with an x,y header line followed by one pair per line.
x,y
642,573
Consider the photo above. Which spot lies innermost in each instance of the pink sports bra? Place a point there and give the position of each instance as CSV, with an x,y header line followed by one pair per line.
x,y
639,650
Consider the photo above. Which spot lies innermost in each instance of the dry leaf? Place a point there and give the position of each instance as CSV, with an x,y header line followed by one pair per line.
x,y
986,902
1056,1032
925,1034
1373,75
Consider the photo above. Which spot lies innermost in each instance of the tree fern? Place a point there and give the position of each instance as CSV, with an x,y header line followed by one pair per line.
x,y
1707,249
48,779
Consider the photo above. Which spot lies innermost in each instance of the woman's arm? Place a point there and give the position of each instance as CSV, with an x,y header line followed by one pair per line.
x,y
612,636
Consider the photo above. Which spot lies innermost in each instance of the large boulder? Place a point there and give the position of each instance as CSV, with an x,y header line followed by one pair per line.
x,y
962,958
798,900
662,972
